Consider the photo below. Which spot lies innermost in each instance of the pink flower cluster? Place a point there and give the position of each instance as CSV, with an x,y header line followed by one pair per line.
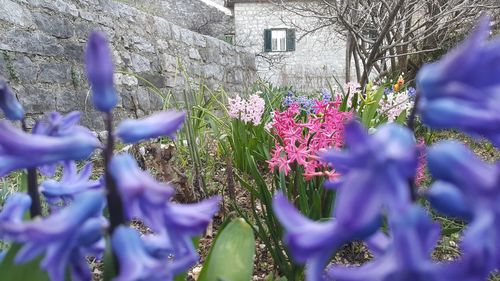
x,y
422,163
300,141
247,110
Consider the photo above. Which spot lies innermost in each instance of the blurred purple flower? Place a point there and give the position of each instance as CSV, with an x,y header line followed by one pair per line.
x,y
12,214
9,104
143,197
135,259
65,238
22,150
309,242
326,95
288,100
56,125
99,66
468,188
406,256
165,123
61,193
461,90
191,219
412,92
376,172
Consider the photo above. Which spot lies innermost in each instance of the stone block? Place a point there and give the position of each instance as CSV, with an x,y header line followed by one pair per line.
x,y
55,25
194,54
15,13
140,63
34,42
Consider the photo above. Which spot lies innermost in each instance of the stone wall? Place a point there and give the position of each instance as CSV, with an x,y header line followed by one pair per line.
x,y
317,57
190,14
42,46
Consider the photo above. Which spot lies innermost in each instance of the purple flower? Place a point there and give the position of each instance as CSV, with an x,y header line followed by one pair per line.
x,y
309,242
326,95
62,192
388,91
65,238
12,213
411,92
405,256
11,107
468,188
461,90
377,170
143,197
21,150
100,72
287,101
136,260
165,123
191,219
57,125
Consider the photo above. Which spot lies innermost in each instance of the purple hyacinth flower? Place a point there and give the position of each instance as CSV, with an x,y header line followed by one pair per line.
x,y
376,173
165,123
406,256
309,242
288,100
55,124
99,66
143,197
461,90
9,104
12,214
475,189
22,150
191,219
61,193
376,170
135,259
64,238
326,95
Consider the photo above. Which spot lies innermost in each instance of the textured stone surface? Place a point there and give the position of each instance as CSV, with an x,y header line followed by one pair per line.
x,y
42,48
190,14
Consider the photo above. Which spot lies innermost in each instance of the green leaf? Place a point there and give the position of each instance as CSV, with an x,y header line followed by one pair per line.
x,y
371,109
28,271
231,256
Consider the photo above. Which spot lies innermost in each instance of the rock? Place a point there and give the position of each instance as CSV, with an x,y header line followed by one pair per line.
x,y
15,13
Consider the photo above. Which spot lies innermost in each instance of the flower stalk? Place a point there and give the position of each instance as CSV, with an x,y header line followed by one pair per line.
x,y
36,207
115,204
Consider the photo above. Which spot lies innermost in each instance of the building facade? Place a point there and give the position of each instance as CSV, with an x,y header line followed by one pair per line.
x,y
285,54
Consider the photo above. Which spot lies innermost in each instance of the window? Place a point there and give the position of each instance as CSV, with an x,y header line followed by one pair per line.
x,y
279,40
229,38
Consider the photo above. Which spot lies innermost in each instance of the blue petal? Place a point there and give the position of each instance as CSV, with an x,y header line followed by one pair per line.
x,y
11,107
99,66
165,123
447,199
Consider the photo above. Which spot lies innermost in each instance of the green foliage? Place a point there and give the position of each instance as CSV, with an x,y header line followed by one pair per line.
x,y
232,253
14,272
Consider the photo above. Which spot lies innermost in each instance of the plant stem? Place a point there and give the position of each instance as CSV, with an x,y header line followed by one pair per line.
x,y
115,204
36,206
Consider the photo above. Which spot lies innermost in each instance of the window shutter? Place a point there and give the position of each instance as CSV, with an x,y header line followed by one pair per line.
x,y
290,39
268,47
